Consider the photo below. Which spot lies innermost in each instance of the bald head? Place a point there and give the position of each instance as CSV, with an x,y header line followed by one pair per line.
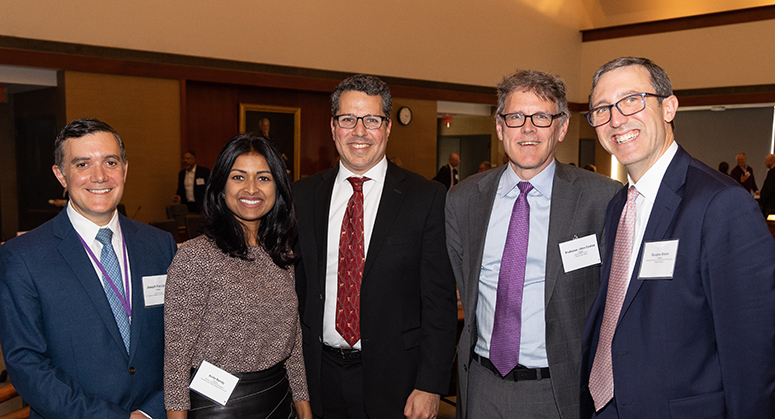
x,y
454,160
769,161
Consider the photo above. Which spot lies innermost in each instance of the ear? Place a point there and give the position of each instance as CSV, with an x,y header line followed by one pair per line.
x,y
387,130
60,176
563,128
333,129
499,128
126,168
669,108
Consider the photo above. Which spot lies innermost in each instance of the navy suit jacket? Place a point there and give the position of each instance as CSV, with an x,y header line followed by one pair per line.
x,y
62,347
408,310
702,344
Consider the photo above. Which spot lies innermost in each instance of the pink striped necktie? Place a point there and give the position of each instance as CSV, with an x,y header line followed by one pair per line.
x,y
601,379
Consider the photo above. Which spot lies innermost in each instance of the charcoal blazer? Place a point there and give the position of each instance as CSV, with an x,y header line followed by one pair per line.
x,y
62,347
408,310
701,344
579,198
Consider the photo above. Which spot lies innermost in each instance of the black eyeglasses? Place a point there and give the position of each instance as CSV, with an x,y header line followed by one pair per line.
x,y
539,119
348,121
629,105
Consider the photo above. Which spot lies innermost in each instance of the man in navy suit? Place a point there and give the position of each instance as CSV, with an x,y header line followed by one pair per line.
x,y
684,323
78,341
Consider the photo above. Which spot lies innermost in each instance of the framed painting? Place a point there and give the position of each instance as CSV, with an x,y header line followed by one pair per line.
x,y
280,124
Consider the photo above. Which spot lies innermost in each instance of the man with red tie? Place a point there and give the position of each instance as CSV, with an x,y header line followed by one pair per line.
x,y
376,291
684,323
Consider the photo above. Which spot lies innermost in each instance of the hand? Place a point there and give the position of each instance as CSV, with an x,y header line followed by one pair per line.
x,y
303,410
176,199
176,414
137,415
422,405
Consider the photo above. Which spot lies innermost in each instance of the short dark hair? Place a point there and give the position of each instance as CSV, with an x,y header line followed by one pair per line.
x,y
546,86
277,229
370,85
77,129
659,79
191,152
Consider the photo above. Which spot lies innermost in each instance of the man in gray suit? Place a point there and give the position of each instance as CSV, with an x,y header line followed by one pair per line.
x,y
524,241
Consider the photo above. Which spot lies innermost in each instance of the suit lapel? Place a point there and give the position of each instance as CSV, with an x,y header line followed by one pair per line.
x,y
565,200
321,206
662,214
135,248
77,258
393,193
480,203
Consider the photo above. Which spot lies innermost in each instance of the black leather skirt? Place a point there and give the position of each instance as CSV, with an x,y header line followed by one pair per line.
x,y
259,395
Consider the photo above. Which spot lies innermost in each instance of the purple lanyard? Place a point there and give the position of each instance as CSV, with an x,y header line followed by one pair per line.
x,y
124,300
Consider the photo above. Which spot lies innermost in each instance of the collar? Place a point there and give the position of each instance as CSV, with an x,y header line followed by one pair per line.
x,y
193,169
87,229
376,173
648,185
542,182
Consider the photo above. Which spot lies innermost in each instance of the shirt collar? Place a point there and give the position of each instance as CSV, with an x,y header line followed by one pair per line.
x,y
542,182
648,185
376,173
193,169
87,229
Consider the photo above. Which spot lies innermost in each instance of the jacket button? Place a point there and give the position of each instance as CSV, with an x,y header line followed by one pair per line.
x,y
321,297
131,370
320,338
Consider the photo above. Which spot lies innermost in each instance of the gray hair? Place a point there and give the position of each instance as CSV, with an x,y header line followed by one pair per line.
x,y
546,86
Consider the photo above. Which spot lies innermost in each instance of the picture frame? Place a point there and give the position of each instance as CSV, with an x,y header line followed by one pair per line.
x,y
284,130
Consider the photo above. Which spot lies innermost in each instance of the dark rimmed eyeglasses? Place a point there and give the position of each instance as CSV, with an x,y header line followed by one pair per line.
x,y
539,119
628,105
348,121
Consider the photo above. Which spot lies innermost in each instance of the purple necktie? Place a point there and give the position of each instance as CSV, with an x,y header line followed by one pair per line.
x,y
504,346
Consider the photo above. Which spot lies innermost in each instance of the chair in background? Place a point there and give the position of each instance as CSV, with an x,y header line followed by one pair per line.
x,y
7,393
178,213
170,226
194,225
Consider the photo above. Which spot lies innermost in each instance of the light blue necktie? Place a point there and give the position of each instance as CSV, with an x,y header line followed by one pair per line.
x,y
109,261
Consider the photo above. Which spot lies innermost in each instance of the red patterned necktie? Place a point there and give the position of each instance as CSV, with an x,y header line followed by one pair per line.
x,y
601,378
351,259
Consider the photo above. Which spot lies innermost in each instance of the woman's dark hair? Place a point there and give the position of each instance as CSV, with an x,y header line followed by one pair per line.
x,y
277,229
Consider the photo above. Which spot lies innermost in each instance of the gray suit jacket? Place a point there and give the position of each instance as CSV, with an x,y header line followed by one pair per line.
x,y
579,200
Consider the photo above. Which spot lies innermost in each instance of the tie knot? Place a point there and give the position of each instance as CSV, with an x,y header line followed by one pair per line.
x,y
525,187
357,182
632,194
104,236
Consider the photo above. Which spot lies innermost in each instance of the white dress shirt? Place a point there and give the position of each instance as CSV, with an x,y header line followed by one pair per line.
x,y
532,347
372,192
648,187
88,231
188,182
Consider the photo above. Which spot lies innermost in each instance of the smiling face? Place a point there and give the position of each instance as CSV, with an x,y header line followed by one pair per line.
x,y
359,148
94,175
742,160
637,141
189,161
529,148
250,191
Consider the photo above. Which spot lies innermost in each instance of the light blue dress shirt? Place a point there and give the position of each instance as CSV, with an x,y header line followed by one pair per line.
x,y
532,350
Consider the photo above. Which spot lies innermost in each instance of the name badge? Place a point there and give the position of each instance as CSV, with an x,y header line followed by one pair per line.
x,y
200,181
213,383
153,290
580,253
658,260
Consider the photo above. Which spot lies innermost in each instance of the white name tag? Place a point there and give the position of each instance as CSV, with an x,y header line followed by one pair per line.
x,y
200,181
658,260
153,290
580,253
213,383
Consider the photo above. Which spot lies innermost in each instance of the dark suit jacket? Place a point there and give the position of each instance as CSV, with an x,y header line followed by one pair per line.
x,y
767,194
702,344
444,177
408,311
579,198
199,190
61,344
